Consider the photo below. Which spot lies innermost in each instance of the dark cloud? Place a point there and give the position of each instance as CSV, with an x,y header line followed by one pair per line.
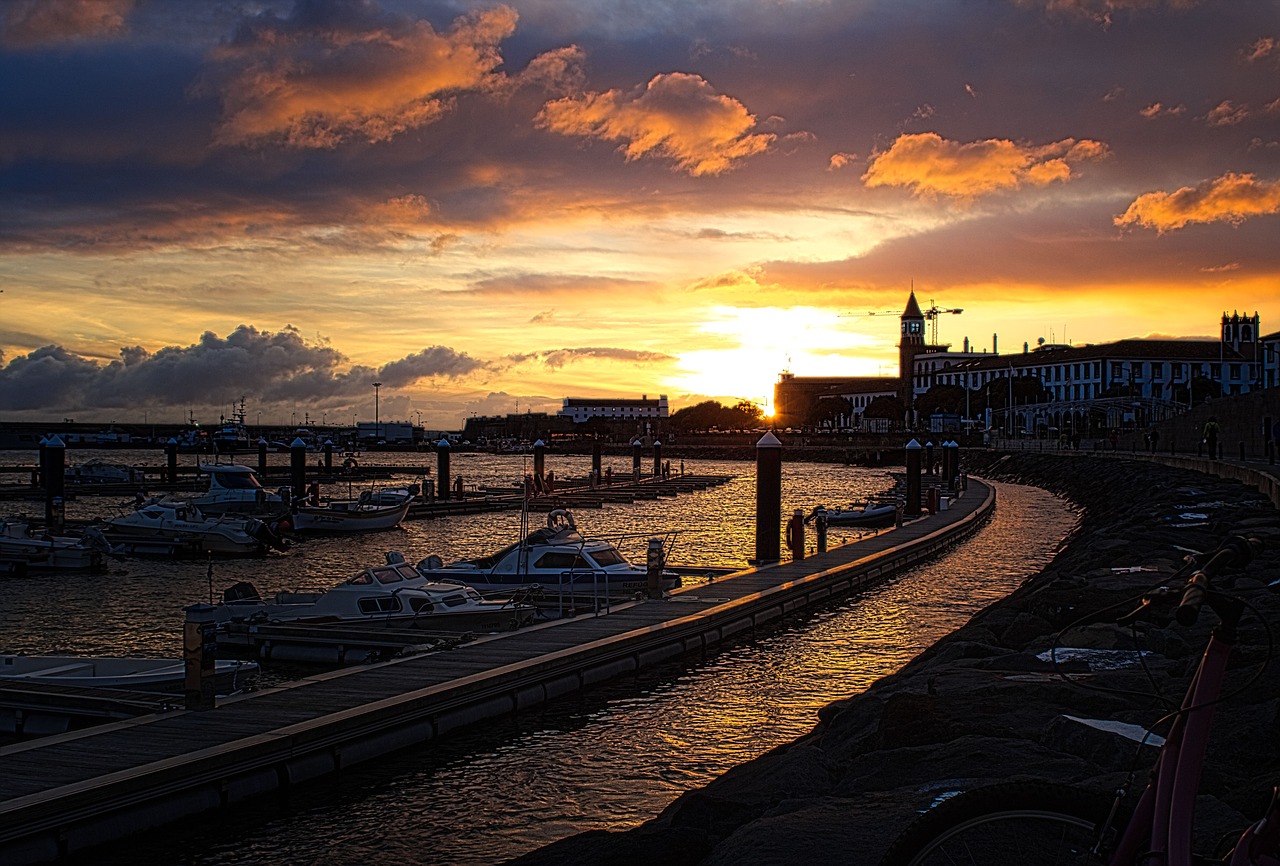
x,y
279,367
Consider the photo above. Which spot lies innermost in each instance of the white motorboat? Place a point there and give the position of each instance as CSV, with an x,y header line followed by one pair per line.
x,y
394,595
101,472
556,557
143,675
22,550
235,489
346,515
175,528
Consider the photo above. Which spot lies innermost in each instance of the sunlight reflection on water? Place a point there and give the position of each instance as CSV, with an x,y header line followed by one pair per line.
x,y
618,754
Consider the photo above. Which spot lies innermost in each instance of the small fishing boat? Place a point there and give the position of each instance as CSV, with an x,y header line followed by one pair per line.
x,y
169,527
86,672
23,551
394,595
872,514
555,556
235,489
346,515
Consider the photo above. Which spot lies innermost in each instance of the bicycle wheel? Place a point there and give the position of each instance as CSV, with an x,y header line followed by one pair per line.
x,y
1012,824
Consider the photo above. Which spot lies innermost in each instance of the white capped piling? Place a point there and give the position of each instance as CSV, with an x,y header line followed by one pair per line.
x,y
928,457
912,507
443,448
540,459
328,456
657,458
768,499
55,474
298,468
820,529
953,464
262,457
595,457
795,535
199,655
171,460
635,459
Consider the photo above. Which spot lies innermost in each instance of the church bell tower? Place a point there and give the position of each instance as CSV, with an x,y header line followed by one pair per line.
x,y
910,345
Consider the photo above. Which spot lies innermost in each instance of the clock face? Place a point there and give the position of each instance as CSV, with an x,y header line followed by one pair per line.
x,y
913,327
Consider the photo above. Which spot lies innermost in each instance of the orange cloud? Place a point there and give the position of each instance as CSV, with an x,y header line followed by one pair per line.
x,y
1157,109
1103,11
840,160
1232,198
677,116
316,89
1264,47
932,165
1226,113
29,23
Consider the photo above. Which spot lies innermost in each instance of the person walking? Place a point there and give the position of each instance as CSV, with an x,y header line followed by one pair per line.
x,y
1211,437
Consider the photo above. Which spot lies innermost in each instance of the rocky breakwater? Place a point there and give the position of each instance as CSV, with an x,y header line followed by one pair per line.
x,y
983,705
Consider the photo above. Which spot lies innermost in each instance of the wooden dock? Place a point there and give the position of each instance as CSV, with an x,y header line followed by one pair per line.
x,y
65,794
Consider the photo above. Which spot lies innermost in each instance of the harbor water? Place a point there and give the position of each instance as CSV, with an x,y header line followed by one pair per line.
x,y
608,758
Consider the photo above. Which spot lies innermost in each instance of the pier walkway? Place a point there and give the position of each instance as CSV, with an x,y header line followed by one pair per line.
x,y
70,792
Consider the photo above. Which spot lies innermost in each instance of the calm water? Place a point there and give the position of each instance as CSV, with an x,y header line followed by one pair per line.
x,y
607,759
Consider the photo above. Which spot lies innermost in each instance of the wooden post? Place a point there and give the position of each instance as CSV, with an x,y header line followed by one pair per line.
x,y
768,499
654,563
298,468
199,654
443,448
912,507
55,479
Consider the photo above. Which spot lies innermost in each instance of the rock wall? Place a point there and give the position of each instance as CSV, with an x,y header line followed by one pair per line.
x,y
982,705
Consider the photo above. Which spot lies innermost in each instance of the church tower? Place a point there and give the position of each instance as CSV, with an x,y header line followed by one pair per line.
x,y
911,344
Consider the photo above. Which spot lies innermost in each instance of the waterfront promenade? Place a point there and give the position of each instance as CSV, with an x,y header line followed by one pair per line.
x,y
68,793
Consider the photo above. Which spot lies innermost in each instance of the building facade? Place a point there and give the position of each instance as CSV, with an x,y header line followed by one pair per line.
x,y
579,410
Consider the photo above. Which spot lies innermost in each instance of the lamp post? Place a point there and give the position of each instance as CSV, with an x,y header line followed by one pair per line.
x,y
377,423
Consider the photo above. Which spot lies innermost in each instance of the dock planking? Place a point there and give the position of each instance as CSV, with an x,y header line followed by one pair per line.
x,y
295,731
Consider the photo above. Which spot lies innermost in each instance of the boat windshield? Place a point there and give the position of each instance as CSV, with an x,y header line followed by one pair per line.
x,y
608,556
562,560
238,480
384,574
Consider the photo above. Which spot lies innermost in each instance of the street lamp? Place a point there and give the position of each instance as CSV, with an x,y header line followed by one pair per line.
x,y
377,423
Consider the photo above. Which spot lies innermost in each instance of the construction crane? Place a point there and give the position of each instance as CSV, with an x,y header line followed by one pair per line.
x,y
930,315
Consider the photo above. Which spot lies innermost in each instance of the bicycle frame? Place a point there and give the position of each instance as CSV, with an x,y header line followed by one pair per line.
x,y
1162,819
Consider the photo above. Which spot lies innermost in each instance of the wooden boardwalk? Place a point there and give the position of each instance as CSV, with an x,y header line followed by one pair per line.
x,y
67,793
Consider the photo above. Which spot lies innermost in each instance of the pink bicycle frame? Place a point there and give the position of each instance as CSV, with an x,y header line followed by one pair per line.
x,y
1162,820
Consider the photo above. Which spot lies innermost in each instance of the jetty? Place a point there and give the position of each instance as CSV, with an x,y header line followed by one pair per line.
x,y
68,793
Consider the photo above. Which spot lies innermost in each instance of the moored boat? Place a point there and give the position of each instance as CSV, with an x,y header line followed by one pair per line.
x,y
173,527
347,515
872,514
557,557
22,550
135,674
235,489
394,595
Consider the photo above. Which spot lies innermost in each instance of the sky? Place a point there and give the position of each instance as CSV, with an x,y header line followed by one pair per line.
x,y
488,207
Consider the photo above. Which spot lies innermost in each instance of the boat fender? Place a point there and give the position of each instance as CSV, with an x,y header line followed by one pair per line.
x,y
431,563
350,464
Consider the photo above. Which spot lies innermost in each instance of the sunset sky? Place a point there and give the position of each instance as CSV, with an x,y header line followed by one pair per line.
x,y
488,207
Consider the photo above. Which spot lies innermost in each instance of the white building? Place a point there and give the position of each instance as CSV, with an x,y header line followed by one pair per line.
x,y
579,409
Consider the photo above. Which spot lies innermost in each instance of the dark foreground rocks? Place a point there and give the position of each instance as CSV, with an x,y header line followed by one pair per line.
x,y
983,705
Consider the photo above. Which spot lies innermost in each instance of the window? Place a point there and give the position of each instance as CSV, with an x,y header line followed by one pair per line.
x,y
607,557
1235,371
380,604
561,561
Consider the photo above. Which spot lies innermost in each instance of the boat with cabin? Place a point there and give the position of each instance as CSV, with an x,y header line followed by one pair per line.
x,y
23,550
171,527
556,557
97,471
394,595
235,489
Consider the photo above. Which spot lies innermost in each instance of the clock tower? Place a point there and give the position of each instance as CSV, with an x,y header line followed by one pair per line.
x,y
911,344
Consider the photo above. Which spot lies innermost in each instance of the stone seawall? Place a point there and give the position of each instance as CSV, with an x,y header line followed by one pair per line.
x,y
982,706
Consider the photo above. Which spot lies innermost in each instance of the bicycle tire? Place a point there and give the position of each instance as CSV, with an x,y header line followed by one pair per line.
x,y
1008,824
